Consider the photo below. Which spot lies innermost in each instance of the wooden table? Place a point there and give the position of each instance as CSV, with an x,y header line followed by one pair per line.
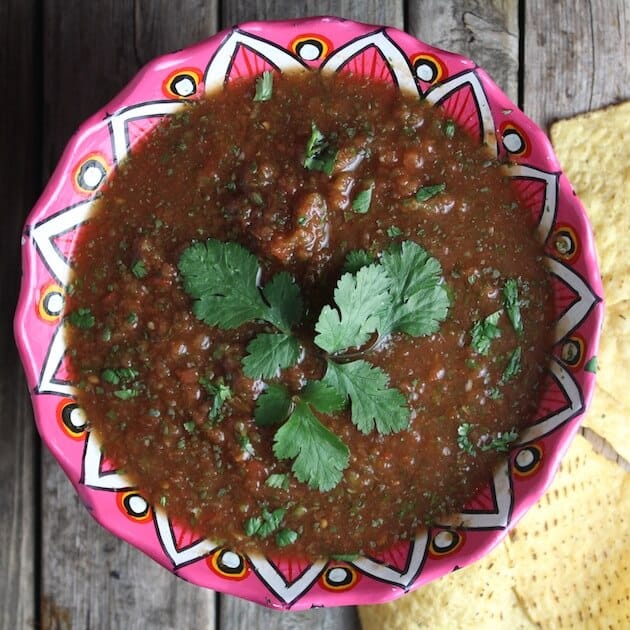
x,y
63,59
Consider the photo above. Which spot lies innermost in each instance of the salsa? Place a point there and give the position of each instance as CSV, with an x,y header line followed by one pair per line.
x,y
308,316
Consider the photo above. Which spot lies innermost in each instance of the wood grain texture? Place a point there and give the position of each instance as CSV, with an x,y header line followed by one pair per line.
x,y
485,31
578,54
19,183
90,579
371,11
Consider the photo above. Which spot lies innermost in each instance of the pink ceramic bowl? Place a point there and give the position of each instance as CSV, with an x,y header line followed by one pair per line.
x,y
470,97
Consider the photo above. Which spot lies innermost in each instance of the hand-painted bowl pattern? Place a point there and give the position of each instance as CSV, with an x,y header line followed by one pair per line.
x,y
470,97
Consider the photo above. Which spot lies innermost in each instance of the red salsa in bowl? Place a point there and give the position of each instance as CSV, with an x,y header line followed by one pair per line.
x,y
308,316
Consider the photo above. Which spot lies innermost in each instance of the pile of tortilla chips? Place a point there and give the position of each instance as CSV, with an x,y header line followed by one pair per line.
x,y
567,563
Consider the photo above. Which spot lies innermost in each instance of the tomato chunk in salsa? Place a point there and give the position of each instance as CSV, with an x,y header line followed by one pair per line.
x,y
311,194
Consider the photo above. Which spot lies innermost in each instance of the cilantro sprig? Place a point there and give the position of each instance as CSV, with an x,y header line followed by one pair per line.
x,y
400,292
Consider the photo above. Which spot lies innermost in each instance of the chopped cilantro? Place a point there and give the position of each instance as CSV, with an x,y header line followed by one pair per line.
x,y
428,192
264,86
286,537
265,524
513,366
449,128
220,393
278,480
190,426
463,439
512,304
320,155
138,269
484,331
82,318
501,443
394,231
361,203
591,365
126,394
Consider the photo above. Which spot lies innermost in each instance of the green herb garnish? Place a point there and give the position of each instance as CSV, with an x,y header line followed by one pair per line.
x,y
361,203
264,86
278,480
320,154
448,127
512,304
463,439
220,393
501,442
428,192
82,318
401,292
265,524
138,269
513,366
484,332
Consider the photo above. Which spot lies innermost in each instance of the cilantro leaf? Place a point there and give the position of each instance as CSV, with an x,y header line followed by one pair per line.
x,y
419,300
323,396
222,277
139,269
359,298
512,304
82,318
286,537
448,127
320,155
320,456
278,480
356,259
428,192
273,405
265,524
269,353
285,302
220,393
373,402
264,86
484,331
223,280
513,366
501,443
361,203
463,438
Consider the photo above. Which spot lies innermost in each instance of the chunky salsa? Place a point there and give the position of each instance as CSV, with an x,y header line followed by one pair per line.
x,y
308,315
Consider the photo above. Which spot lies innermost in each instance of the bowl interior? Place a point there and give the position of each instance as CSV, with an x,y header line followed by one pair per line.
x,y
469,96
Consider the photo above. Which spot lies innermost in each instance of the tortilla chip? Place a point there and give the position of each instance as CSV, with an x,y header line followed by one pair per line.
x,y
614,355
571,551
566,564
479,596
610,420
594,150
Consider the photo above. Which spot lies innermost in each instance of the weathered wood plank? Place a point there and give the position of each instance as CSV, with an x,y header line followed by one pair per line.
x,y
487,32
235,613
19,165
577,55
371,11
90,578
